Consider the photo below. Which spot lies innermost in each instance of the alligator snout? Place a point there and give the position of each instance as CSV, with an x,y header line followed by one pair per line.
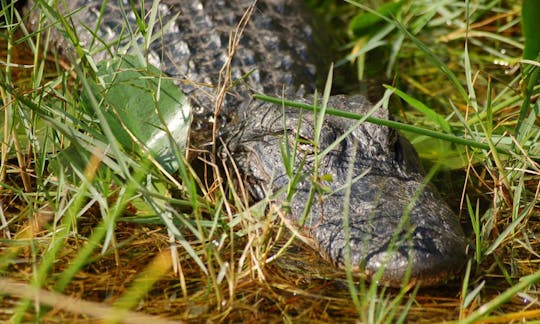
x,y
396,227
373,210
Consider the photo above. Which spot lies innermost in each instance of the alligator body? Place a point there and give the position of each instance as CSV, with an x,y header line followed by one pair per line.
x,y
370,203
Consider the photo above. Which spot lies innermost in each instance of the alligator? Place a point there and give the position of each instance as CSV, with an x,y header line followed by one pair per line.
x,y
371,210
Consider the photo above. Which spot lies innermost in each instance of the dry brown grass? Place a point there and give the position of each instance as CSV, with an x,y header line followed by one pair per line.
x,y
298,286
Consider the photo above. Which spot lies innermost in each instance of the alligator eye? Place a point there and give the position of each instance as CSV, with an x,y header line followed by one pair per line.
x,y
406,155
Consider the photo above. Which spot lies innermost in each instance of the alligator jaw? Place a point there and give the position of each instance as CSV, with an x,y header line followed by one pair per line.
x,y
425,245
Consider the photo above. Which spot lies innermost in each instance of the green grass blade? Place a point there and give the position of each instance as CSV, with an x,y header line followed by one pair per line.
x,y
437,62
421,107
388,123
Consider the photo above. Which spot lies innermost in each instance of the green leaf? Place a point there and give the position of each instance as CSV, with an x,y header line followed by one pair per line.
x,y
530,18
530,14
143,108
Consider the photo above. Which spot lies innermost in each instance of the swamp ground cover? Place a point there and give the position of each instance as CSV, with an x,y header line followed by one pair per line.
x,y
92,235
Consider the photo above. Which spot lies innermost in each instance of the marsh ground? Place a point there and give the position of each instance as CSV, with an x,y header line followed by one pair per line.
x,y
96,238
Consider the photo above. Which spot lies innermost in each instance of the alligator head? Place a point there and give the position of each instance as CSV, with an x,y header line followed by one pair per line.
x,y
395,222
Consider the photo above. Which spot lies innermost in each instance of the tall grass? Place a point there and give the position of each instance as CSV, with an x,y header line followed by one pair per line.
x,y
83,216
513,217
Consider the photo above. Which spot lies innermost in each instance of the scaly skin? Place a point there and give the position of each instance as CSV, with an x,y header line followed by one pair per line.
x,y
395,221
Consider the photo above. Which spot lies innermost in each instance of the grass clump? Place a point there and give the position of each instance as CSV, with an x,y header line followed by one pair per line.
x,y
114,227
484,102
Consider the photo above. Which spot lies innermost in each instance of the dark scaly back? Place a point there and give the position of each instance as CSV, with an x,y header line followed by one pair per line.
x,y
274,55
192,43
